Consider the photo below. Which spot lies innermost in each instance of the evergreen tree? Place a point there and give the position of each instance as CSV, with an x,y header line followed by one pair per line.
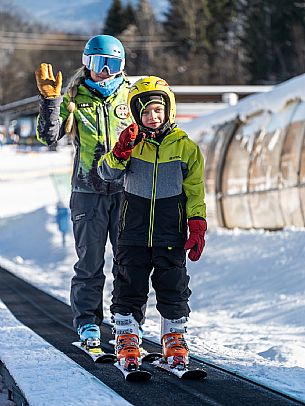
x,y
256,40
286,15
197,30
270,39
148,43
129,15
119,18
181,22
115,20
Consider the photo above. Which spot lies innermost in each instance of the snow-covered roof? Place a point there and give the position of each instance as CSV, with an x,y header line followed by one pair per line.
x,y
274,100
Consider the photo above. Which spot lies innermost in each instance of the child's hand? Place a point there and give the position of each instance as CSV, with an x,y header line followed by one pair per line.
x,y
128,136
196,242
126,142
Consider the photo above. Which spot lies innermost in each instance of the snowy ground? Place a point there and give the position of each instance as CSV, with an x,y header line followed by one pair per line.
x,y
248,302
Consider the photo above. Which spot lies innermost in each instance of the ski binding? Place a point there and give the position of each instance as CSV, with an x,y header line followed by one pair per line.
x,y
96,353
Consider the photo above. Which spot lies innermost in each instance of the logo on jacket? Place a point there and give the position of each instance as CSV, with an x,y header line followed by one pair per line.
x,y
84,105
121,111
79,216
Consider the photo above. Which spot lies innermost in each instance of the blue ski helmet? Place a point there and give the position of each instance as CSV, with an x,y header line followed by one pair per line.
x,y
105,45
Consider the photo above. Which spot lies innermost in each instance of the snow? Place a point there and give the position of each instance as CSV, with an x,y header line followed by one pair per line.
x,y
40,361
248,302
272,101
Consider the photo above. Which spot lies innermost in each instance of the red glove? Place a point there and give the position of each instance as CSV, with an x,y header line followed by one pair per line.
x,y
195,242
125,143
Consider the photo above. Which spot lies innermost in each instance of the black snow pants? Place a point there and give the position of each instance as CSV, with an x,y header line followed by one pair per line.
x,y
94,217
169,280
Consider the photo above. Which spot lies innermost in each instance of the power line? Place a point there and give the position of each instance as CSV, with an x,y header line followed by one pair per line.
x,y
70,46
67,36
10,41
50,47
44,35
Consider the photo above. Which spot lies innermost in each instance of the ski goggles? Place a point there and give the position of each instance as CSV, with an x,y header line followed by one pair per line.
x,y
97,63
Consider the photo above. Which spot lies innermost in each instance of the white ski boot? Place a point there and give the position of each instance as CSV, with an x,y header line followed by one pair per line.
x,y
127,341
175,351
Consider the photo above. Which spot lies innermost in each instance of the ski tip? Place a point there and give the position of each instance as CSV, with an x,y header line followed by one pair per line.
x,y
194,374
187,373
134,376
138,376
105,358
77,343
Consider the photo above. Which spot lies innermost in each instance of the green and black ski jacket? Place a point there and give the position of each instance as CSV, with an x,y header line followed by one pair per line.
x,y
163,187
98,123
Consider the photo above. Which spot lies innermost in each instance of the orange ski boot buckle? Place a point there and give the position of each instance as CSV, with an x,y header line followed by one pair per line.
x,y
175,350
128,352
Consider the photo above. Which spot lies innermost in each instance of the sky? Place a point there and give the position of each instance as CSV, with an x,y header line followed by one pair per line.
x,y
248,302
75,16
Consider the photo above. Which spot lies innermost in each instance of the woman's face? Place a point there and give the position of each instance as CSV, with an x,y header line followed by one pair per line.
x,y
153,115
99,77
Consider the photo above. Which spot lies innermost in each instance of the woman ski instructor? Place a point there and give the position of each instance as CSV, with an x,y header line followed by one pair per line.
x,y
93,112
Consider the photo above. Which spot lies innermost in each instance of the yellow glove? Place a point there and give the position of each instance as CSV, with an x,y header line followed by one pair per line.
x,y
48,86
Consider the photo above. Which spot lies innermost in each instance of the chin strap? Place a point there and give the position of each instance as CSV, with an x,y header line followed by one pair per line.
x,y
159,133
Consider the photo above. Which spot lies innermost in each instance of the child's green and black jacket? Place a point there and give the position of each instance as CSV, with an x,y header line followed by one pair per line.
x,y
163,187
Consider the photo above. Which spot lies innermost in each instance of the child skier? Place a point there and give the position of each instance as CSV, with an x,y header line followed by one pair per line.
x,y
163,190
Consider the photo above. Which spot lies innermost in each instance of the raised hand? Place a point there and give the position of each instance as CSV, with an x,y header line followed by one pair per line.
x,y
48,86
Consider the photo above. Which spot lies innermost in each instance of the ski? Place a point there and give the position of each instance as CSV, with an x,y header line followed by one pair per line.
x,y
97,354
134,376
185,373
147,356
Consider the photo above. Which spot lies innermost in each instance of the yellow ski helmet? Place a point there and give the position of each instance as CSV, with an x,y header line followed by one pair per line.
x,y
152,86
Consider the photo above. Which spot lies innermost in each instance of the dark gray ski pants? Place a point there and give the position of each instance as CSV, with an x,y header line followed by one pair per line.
x,y
168,275
94,216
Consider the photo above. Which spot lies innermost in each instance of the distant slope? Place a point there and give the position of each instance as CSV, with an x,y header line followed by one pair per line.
x,y
79,16
74,16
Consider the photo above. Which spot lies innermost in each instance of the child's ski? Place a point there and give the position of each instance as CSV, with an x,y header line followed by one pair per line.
x,y
149,356
96,353
182,373
134,375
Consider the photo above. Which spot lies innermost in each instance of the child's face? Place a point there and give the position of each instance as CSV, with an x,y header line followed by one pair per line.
x,y
153,115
